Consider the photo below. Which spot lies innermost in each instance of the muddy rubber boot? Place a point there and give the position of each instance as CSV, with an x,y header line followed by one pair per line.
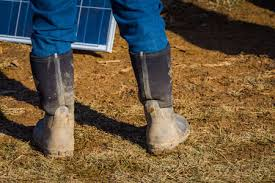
x,y
165,129
53,76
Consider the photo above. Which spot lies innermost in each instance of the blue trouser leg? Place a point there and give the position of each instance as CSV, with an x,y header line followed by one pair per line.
x,y
54,26
140,24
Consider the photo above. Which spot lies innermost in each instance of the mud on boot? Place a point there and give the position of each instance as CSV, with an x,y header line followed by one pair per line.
x,y
165,128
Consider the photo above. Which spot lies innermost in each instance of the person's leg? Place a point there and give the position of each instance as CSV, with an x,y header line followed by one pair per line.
x,y
140,24
52,67
143,28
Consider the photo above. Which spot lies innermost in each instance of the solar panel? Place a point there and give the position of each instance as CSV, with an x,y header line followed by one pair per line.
x,y
95,23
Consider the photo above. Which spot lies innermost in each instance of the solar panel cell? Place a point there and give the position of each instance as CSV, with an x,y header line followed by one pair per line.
x,y
95,31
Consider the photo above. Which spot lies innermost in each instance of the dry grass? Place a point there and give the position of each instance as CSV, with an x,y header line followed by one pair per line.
x,y
228,99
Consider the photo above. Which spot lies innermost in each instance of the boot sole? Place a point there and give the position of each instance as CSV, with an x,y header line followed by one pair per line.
x,y
58,154
161,149
53,153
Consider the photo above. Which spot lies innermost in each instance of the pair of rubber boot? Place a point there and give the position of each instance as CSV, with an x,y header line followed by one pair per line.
x,y
53,76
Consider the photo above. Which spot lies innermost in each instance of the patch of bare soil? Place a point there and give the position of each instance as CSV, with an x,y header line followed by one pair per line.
x,y
224,76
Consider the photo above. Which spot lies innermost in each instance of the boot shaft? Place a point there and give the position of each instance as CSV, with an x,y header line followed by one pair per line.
x,y
53,78
153,75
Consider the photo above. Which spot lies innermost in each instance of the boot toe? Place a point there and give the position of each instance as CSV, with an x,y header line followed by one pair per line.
x,y
53,135
183,125
181,133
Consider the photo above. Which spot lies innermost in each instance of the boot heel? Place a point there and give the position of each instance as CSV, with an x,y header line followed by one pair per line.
x,y
161,149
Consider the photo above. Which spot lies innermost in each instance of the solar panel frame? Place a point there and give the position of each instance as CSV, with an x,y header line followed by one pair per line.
x,y
76,45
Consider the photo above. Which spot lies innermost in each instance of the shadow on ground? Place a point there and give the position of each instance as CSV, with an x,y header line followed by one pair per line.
x,y
213,31
266,4
15,130
83,113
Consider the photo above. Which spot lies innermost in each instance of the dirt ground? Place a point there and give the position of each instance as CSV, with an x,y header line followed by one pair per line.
x,y
224,76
